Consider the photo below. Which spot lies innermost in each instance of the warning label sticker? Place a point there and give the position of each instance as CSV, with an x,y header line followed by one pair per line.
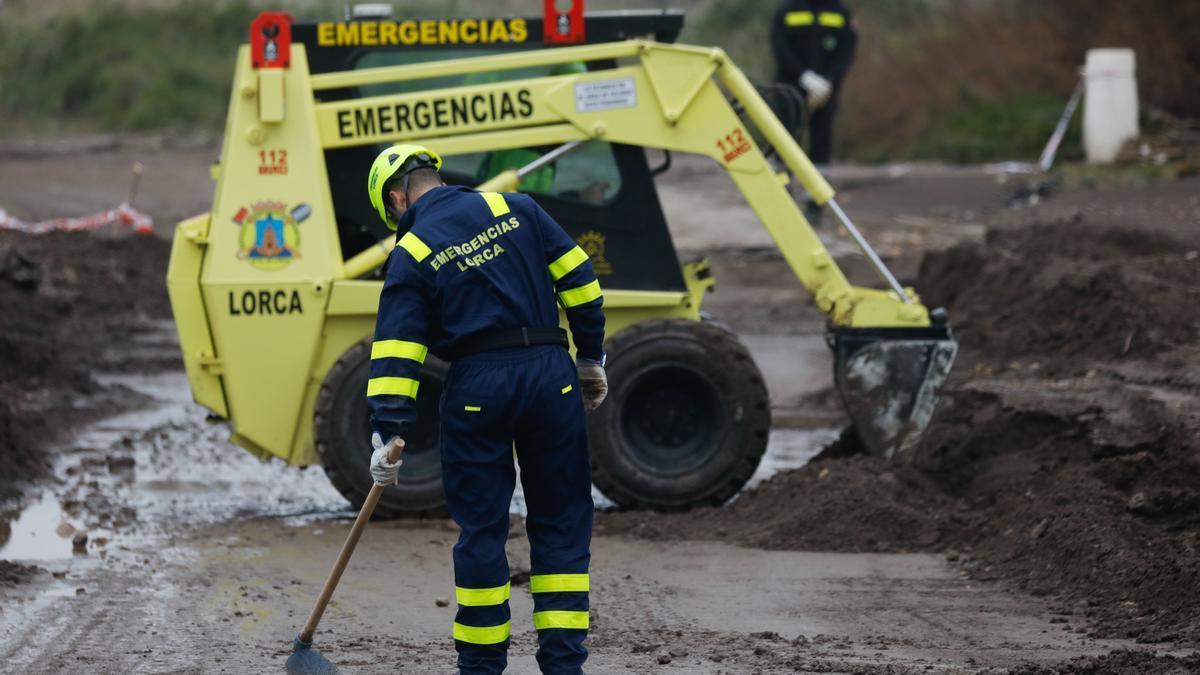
x,y
605,95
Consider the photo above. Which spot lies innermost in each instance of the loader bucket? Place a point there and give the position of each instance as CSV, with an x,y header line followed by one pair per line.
x,y
889,380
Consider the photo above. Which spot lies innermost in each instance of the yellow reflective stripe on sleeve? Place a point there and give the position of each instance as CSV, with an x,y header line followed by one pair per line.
x,y
567,262
567,389
472,408
398,349
392,386
798,18
415,247
560,619
559,583
482,597
481,635
574,297
831,20
496,203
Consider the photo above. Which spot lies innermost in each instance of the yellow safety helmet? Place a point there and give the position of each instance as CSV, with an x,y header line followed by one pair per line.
x,y
396,161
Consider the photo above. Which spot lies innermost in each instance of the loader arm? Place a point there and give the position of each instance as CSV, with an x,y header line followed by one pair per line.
x,y
276,290
891,356
668,97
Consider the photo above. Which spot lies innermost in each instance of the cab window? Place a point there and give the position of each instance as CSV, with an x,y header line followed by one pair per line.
x,y
587,174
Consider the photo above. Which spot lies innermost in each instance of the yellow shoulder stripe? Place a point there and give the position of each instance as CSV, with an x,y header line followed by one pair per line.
x,y
832,20
798,18
415,247
496,203
567,262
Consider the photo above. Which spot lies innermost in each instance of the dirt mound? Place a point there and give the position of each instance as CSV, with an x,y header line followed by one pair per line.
x,y
1059,490
67,300
1081,489
1123,662
1079,478
1061,294
894,509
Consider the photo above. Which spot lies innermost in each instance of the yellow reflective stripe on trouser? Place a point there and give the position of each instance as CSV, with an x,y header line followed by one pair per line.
x,y
481,635
567,262
415,247
496,203
398,349
559,583
392,386
831,20
798,18
560,619
482,597
573,297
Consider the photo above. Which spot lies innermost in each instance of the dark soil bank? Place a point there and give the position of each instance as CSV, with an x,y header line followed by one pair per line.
x,y
1064,457
1062,295
68,303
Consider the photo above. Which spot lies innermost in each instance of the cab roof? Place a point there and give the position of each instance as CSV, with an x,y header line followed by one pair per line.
x,y
332,44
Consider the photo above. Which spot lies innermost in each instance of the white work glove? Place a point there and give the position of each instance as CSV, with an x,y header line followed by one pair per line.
x,y
383,472
819,89
593,383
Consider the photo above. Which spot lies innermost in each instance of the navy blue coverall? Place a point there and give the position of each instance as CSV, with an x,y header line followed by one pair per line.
x,y
816,35
470,263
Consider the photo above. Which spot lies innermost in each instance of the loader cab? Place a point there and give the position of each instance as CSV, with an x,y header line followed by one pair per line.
x,y
603,194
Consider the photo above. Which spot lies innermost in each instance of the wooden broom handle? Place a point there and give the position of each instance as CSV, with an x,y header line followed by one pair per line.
x,y
356,530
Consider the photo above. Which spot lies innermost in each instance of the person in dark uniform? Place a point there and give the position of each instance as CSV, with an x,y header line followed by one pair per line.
x,y
814,43
477,278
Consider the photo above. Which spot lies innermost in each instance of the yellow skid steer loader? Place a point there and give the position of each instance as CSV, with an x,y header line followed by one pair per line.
x,y
275,290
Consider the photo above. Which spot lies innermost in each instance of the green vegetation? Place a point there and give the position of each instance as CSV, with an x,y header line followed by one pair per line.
x,y
934,79
118,65
982,130
119,68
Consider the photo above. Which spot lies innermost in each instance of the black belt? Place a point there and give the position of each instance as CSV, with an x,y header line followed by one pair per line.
x,y
507,338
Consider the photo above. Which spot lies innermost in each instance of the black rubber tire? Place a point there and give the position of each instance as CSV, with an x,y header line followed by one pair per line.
x,y
686,420
343,438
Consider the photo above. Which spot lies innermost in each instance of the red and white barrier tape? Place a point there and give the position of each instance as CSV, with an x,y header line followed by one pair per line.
x,y
124,214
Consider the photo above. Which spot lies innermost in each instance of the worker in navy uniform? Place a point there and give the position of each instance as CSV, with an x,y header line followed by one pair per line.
x,y
477,279
814,43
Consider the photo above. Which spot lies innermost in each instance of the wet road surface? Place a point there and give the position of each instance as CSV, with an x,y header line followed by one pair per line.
x,y
202,558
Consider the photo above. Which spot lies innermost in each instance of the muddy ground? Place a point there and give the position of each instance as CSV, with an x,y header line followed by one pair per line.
x,y
72,305
1048,523
1064,457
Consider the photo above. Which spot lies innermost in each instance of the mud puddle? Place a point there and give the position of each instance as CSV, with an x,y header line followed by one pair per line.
x,y
42,531
153,469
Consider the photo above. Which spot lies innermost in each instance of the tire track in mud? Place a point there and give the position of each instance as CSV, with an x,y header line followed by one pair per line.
x,y
66,632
